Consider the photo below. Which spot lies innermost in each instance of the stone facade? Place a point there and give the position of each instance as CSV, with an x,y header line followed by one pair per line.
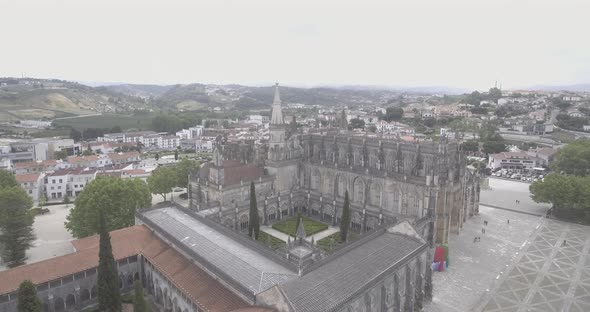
x,y
387,181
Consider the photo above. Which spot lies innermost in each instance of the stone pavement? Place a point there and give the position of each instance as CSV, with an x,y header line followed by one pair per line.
x,y
547,275
504,193
474,266
282,236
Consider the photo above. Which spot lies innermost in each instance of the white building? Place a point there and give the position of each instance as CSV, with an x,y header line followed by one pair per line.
x,y
32,183
68,182
512,160
258,119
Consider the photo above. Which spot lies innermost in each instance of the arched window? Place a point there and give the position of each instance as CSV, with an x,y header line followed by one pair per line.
x,y
84,295
70,301
341,186
58,304
376,194
359,190
316,180
244,222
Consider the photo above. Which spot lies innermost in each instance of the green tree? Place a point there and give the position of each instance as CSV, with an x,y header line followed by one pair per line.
x,y
183,168
116,198
162,180
87,153
493,147
7,179
393,114
60,155
254,224
357,123
345,219
109,297
175,154
167,123
494,94
139,304
569,195
470,146
16,225
573,158
372,128
28,301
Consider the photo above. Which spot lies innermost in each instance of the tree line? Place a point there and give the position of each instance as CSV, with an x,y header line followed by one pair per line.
x,y
567,189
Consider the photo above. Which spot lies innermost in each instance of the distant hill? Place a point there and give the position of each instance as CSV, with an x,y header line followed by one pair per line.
x,y
27,98
140,90
200,96
570,88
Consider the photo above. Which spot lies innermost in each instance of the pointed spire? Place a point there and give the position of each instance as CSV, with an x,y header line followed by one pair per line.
x,y
277,112
300,229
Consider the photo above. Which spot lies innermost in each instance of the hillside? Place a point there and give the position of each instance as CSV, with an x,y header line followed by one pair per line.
x,y
47,99
200,96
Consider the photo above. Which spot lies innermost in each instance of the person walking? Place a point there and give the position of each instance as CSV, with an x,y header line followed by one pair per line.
x,y
508,221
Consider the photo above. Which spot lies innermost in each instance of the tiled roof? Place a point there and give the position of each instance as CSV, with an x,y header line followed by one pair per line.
x,y
27,177
203,289
123,242
234,172
333,284
123,156
31,164
79,159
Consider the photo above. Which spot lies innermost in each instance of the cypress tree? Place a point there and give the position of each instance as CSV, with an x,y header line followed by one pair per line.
x,y
27,298
109,297
139,304
345,219
16,225
254,224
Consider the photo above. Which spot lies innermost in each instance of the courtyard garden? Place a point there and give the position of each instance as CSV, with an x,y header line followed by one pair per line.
x,y
333,241
289,226
270,240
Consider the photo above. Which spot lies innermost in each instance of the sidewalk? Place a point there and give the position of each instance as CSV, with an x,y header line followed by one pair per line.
x,y
282,236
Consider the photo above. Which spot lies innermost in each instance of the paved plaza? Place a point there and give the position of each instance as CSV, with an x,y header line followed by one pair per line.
x,y
517,266
547,275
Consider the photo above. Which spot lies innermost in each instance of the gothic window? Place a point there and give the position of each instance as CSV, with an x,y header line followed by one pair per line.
x,y
272,213
396,200
244,223
341,186
376,194
359,190
356,222
316,180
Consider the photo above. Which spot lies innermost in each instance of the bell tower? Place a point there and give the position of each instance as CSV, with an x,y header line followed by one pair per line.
x,y
279,162
277,143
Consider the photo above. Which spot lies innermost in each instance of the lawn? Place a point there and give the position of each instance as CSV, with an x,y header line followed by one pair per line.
x,y
288,226
268,239
108,121
326,242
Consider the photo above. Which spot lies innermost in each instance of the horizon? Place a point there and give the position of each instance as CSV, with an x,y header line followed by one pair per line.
x,y
402,44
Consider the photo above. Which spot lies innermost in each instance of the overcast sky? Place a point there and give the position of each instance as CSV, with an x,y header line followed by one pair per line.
x,y
456,43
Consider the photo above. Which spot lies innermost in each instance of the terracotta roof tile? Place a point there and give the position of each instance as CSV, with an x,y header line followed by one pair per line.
x,y
203,289
27,177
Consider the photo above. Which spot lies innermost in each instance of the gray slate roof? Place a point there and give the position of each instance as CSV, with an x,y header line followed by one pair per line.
x,y
332,284
249,268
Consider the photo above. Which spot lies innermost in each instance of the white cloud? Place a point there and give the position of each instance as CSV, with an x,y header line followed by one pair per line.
x,y
452,43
